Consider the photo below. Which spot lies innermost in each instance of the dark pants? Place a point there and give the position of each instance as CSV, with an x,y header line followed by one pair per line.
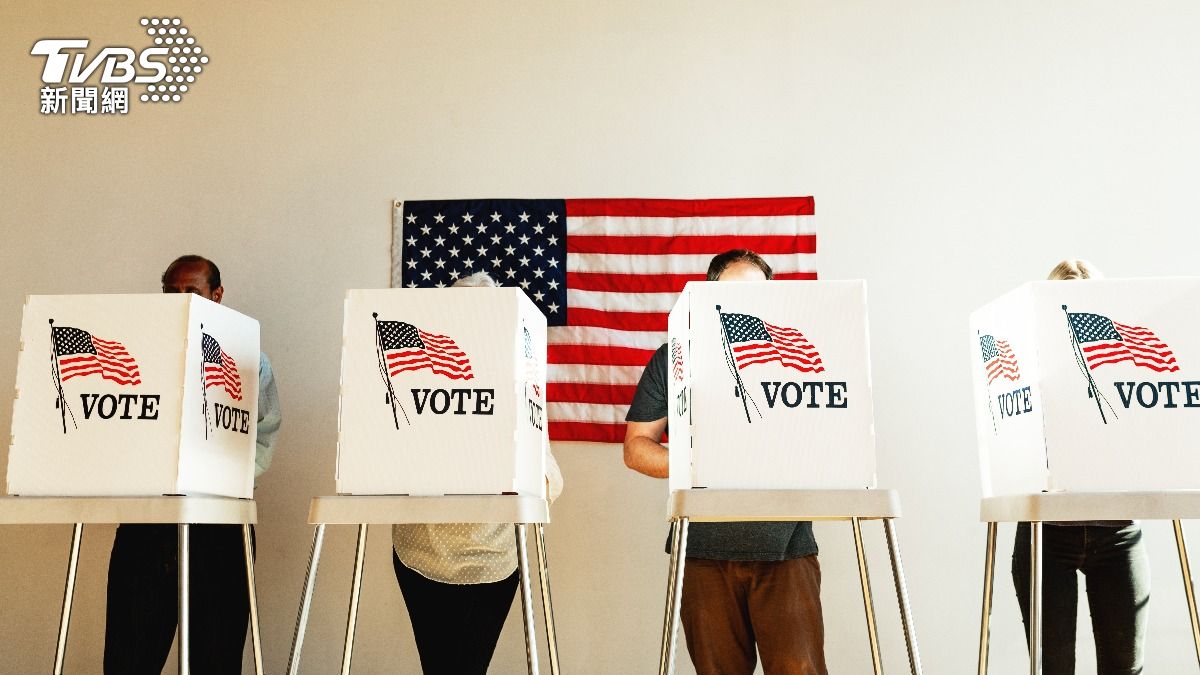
x,y
456,626
1114,563
143,598
730,606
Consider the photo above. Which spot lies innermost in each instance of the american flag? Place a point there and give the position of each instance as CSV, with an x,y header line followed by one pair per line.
x,y
676,360
220,370
80,353
1104,341
606,272
998,359
753,340
406,347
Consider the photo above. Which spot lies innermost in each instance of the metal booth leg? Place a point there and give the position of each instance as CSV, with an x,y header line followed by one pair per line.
x,y
864,578
531,655
184,565
355,592
60,652
539,539
255,636
310,579
989,573
1188,587
1035,598
906,620
666,660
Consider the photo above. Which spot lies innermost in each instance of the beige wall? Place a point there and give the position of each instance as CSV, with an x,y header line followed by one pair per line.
x,y
955,149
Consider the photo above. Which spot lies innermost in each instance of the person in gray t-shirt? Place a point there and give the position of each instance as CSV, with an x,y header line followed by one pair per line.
x,y
746,583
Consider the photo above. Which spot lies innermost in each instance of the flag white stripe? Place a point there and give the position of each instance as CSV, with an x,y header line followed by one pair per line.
x,y
590,335
622,302
575,372
600,413
693,226
650,265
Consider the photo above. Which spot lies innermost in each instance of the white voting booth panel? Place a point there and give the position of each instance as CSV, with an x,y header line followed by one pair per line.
x,y
443,392
134,395
1088,386
770,386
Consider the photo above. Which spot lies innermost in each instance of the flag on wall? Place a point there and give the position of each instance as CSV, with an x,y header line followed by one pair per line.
x,y
606,272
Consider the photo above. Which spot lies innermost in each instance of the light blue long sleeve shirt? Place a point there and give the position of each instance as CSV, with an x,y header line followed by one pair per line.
x,y
269,416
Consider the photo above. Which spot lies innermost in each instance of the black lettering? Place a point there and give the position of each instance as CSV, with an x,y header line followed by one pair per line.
x,y
128,400
1027,396
149,407
1126,396
796,397
420,396
87,409
1169,388
814,388
771,394
105,400
1193,394
460,395
245,429
837,394
483,401
442,401
1144,387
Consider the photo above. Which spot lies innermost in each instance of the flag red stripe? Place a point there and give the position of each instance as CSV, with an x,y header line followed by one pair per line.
x,y
650,283
696,208
598,354
635,321
712,245
582,392
587,431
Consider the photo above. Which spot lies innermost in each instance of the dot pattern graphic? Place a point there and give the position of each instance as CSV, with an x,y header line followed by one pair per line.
x,y
185,59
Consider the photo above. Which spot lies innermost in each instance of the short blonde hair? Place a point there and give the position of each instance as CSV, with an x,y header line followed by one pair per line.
x,y
1074,269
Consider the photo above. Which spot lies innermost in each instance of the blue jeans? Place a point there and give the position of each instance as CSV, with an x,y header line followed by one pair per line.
x,y
1114,564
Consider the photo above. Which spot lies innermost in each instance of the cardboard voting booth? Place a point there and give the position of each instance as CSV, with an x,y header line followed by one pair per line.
x,y
770,386
134,395
1089,386
443,392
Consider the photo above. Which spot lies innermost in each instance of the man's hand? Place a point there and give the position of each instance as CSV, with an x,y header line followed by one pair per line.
x,y
643,452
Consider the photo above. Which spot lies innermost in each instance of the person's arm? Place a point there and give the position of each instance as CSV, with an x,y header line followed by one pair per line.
x,y
643,452
269,417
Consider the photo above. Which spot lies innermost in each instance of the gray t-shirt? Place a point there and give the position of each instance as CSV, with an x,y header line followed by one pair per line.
x,y
720,541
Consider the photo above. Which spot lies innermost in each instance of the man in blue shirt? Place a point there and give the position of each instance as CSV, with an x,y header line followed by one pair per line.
x,y
746,584
142,610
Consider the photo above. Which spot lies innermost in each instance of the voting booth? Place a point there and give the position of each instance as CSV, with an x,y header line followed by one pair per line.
x,y
443,391
770,386
1088,385
134,395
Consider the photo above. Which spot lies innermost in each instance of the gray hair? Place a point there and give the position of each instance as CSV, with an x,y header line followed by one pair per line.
x,y
476,280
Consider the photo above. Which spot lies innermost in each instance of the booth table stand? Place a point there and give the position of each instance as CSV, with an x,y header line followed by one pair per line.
x,y
180,511
1077,506
367,510
707,506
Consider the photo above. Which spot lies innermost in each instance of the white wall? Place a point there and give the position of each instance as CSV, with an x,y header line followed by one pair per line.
x,y
955,149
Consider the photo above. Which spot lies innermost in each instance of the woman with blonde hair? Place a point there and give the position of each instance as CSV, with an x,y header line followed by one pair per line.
x,y
1113,561
458,580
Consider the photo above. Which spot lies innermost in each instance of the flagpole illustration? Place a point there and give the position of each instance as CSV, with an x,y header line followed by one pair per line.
x,y
203,384
988,391
61,401
731,362
390,396
1081,361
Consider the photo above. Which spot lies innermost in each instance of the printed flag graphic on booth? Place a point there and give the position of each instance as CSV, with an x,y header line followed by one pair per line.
x,y
752,340
220,370
79,353
998,359
1104,341
605,272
